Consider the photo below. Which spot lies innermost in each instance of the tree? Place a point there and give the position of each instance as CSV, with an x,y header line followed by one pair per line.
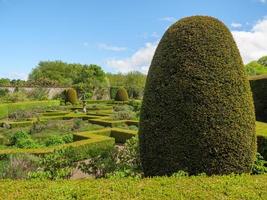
x,y
263,61
197,113
90,78
254,68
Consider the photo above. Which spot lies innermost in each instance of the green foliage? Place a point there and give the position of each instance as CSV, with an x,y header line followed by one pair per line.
x,y
123,115
18,136
71,96
7,108
22,115
134,83
255,68
4,82
121,95
203,119
263,61
23,140
193,188
258,86
57,165
3,92
91,78
122,162
123,112
53,140
260,165
86,79
17,166
39,94
17,96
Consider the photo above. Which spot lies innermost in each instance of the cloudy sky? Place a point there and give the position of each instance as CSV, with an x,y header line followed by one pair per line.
x,y
119,35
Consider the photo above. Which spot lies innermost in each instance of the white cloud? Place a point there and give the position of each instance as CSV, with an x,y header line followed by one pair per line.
x,y
168,19
139,61
107,47
236,25
253,43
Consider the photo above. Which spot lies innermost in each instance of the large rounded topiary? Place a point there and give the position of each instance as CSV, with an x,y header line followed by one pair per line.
x,y
197,113
71,96
121,95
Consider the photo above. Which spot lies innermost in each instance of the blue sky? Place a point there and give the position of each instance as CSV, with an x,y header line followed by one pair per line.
x,y
119,35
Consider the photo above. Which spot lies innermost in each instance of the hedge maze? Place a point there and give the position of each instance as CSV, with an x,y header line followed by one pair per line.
x,y
85,142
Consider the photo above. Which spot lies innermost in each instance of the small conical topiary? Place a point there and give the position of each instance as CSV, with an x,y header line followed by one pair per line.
x,y
121,95
71,96
197,113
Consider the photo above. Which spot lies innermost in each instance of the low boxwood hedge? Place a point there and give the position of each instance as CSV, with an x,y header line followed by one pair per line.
x,y
193,188
89,142
121,135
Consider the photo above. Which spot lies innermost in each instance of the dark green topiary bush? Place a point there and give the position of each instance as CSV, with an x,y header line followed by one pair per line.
x,y
71,96
197,113
121,95
259,90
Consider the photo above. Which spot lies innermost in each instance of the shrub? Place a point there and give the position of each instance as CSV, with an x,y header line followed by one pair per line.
x,y
258,86
22,115
254,68
263,61
123,115
57,165
38,94
18,96
203,119
26,143
113,92
23,140
121,95
37,127
19,136
118,108
260,165
18,166
71,96
3,92
119,161
54,140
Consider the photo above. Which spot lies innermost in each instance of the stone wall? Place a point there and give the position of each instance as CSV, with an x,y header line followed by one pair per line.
x,y
51,91
98,94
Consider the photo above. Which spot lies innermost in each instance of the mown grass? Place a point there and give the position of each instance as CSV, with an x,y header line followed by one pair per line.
x,y
261,129
217,187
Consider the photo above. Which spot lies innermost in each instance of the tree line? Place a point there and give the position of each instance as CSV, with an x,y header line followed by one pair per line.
x,y
84,78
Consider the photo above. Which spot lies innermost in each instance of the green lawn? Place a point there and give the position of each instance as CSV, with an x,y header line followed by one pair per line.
x,y
217,187
261,128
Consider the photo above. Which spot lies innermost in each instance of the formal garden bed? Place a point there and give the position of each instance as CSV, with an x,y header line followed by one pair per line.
x,y
199,132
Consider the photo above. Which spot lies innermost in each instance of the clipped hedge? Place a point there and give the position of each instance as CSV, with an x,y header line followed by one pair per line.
x,y
121,95
193,188
71,96
197,113
89,142
258,86
121,135
7,108
103,122
261,129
